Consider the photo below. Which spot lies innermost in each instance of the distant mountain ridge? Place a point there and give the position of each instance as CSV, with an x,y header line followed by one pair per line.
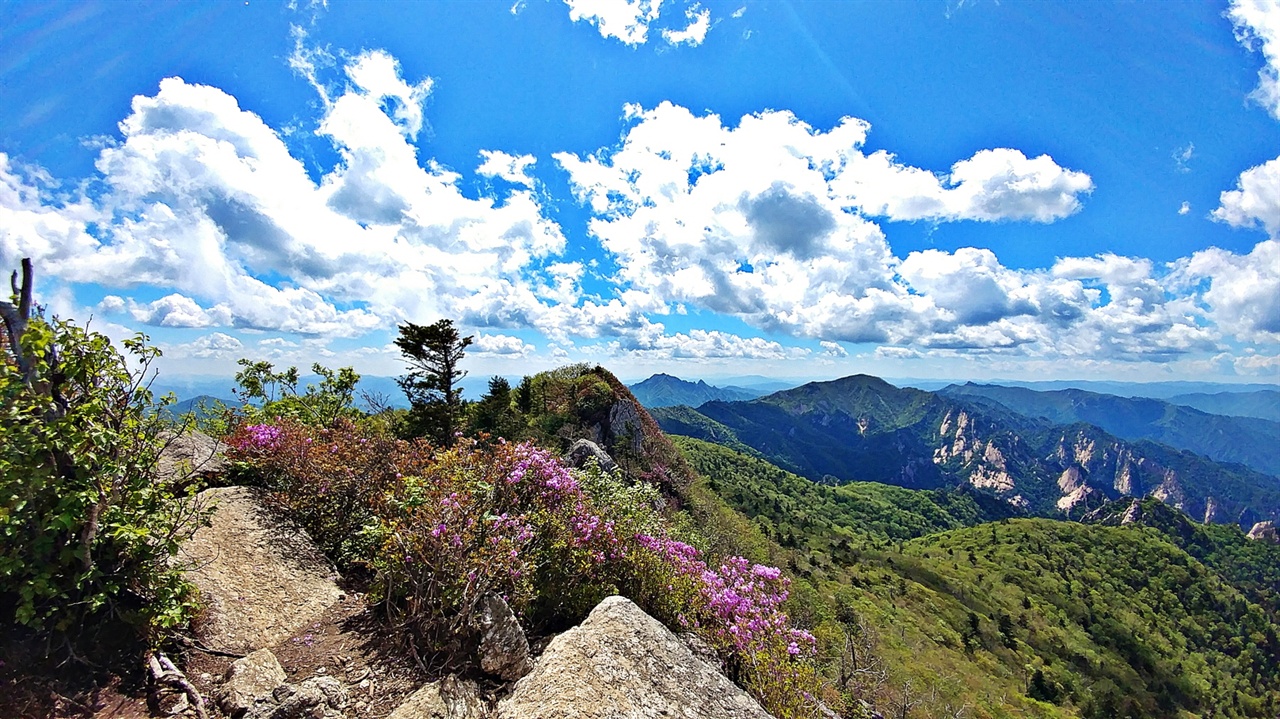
x,y
1252,442
1263,404
664,390
862,428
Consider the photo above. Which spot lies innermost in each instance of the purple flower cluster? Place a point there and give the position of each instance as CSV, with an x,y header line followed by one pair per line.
x,y
554,479
259,437
744,600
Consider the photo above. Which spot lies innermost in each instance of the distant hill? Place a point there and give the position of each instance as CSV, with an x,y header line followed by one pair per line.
x,y
862,428
1263,404
664,390
201,406
1154,390
1251,442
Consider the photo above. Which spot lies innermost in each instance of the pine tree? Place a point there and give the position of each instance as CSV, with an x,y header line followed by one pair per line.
x,y
433,352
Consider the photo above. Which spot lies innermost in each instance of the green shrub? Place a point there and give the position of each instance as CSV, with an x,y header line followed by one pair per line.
x,y
85,527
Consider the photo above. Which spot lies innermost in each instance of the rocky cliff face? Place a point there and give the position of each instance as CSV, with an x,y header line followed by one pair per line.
x,y
1266,531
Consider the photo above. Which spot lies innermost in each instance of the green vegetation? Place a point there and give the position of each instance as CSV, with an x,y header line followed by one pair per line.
x,y
788,507
433,352
86,528
1253,567
1014,617
276,394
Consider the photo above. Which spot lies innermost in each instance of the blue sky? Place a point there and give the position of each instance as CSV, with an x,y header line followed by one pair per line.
x,y
934,189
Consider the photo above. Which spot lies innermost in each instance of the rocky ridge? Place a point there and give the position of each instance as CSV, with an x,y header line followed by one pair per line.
x,y
270,595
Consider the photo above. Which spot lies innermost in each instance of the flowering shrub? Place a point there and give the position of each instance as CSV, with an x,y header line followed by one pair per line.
x,y
326,479
737,608
443,531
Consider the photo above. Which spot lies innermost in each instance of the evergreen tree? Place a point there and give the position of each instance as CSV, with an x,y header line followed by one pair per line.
x,y
493,414
433,352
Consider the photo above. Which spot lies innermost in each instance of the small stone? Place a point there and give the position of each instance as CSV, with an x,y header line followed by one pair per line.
x,y
247,680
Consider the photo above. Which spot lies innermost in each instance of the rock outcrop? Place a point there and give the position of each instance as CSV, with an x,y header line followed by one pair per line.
x,y
1266,530
584,450
260,577
448,698
621,662
504,649
190,454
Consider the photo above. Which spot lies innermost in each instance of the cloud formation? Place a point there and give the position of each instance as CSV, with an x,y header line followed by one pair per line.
x,y
770,221
629,21
1257,26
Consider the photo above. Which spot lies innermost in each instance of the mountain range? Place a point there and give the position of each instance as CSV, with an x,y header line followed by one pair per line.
x,y
862,428
1248,441
663,390
1263,404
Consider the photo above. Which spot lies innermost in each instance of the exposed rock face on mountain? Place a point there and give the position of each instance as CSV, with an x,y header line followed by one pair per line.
x,y
1267,531
260,577
621,662
864,429
1248,441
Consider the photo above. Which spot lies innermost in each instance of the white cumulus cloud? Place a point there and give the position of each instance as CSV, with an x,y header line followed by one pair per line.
x,y
768,222
1257,26
1255,201
501,345
695,32
625,20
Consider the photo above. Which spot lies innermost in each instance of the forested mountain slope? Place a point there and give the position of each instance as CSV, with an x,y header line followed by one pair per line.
x,y
861,428
1016,617
663,390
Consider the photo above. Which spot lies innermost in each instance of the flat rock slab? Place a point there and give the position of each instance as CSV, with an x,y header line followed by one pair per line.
x,y
622,663
260,577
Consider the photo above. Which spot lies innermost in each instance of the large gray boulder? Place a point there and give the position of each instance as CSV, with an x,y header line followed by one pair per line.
x,y
190,453
260,577
584,450
622,663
